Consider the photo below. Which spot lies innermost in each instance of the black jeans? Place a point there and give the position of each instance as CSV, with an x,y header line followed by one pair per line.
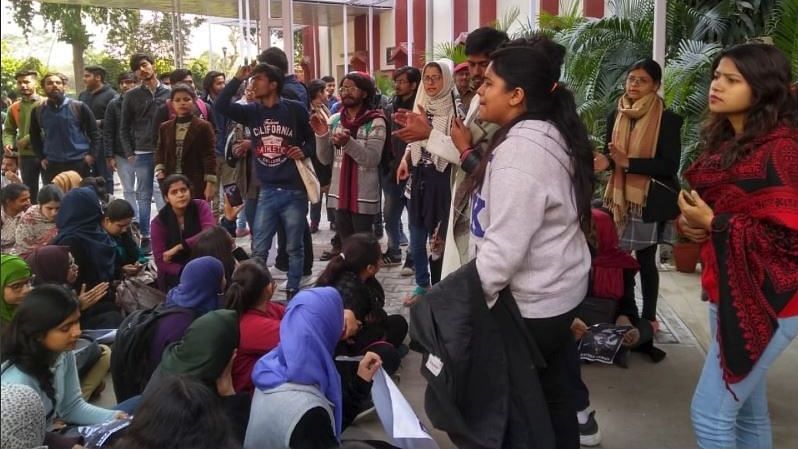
x,y
31,169
55,168
649,281
555,340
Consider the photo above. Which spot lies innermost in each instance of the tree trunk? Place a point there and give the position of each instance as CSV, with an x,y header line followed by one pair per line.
x,y
78,64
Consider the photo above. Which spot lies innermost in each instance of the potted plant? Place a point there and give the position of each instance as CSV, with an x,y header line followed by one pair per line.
x,y
685,254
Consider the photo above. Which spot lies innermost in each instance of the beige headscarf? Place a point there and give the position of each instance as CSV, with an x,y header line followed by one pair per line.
x,y
67,180
635,134
441,107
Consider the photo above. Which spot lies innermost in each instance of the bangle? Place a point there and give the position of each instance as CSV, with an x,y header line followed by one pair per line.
x,y
464,154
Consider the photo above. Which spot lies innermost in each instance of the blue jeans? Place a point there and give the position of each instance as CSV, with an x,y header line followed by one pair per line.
x,y
127,176
418,249
720,421
392,208
288,207
145,177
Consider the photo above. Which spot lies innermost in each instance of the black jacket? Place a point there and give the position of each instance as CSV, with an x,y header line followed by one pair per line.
x,y
663,167
138,114
98,101
473,389
112,131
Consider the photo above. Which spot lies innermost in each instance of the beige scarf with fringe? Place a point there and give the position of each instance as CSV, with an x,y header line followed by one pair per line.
x,y
634,134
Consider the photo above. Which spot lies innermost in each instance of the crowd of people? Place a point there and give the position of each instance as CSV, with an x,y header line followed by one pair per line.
x,y
494,171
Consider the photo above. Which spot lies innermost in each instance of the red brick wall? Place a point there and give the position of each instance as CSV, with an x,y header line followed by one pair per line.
x,y
487,12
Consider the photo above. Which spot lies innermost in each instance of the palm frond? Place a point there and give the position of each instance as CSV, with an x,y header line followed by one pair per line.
x,y
783,28
449,50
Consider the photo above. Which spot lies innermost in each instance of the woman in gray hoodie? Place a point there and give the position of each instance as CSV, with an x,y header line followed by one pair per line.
x,y
531,207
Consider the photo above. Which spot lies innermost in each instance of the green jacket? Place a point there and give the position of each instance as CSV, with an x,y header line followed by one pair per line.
x,y
16,128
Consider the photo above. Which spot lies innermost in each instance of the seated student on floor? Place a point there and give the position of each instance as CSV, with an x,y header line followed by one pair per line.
x,y
53,264
116,221
79,228
352,273
36,226
206,354
176,229
216,242
299,401
181,412
37,352
15,280
250,293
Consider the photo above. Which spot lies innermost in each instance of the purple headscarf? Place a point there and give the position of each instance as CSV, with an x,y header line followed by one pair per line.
x,y
309,331
199,286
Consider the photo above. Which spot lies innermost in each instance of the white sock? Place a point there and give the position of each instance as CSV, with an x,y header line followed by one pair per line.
x,y
583,415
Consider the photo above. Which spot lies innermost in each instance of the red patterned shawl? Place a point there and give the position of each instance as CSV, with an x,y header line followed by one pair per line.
x,y
751,261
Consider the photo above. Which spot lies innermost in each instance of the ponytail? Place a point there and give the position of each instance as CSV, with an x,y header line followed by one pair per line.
x,y
246,287
357,252
546,100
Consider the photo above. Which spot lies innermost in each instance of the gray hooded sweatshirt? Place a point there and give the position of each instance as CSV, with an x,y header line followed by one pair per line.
x,y
525,225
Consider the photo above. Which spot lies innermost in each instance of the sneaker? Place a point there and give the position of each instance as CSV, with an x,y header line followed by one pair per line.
x,y
281,267
391,260
379,232
403,239
407,268
589,434
304,281
242,232
145,249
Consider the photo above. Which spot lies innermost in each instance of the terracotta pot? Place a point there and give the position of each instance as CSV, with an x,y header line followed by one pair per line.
x,y
685,256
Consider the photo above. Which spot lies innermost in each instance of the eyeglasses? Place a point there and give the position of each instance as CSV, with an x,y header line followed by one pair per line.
x,y
432,79
343,89
637,81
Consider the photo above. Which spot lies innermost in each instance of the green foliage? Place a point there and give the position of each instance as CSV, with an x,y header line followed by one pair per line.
x,y
164,65
9,65
133,33
384,84
449,50
112,65
783,28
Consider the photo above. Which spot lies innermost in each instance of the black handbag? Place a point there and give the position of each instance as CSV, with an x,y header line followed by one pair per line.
x,y
661,204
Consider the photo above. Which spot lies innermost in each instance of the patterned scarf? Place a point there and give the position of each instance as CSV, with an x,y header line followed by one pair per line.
x,y
634,134
439,107
751,262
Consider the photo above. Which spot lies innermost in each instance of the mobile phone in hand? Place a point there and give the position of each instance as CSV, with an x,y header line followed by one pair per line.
x,y
233,194
240,255
688,198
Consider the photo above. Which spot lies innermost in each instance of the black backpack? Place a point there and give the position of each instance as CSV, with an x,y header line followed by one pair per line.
x,y
130,359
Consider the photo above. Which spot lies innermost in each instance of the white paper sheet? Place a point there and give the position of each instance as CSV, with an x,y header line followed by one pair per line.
x,y
397,416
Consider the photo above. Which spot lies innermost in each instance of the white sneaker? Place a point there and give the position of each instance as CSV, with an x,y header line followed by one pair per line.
x,y
589,434
304,281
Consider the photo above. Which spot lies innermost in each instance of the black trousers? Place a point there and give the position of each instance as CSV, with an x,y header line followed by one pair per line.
x,y
649,281
348,223
55,168
555,340
31,172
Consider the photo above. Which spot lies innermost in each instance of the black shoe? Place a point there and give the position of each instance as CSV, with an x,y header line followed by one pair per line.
x,y
389,260
589,434
145,249
290,293
379,232
327,255
281,267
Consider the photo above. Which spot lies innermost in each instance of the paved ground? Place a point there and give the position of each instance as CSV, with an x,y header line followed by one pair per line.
x,y
646,405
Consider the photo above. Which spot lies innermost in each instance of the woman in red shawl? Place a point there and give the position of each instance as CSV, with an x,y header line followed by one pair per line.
x,y
744,211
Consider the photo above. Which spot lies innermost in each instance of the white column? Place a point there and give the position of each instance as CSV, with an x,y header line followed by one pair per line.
x,y
288,33
451,8
660,11
533,13
241,29
346,40
410,32
247,36
371,40
265,27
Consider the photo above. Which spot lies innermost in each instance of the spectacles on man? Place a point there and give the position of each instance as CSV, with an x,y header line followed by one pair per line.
x,y
343,89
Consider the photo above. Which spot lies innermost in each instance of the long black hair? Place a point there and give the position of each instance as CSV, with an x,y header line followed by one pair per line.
x,y
546,99
216,242
246,287
767,71
180,412
357,252
43,309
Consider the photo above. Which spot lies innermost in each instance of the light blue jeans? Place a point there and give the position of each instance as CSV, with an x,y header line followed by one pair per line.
x,y
127,176
289,207
720,421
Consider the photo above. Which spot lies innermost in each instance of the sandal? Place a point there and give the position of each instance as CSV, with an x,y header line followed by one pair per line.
x,y
417,294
